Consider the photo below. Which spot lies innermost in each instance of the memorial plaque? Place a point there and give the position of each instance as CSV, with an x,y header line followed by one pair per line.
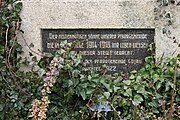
x,y
118,49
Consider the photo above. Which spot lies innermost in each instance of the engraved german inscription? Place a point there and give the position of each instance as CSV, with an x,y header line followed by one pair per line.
x,y
118,49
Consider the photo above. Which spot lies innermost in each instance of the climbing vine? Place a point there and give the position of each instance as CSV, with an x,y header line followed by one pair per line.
x,y
16,87
151,93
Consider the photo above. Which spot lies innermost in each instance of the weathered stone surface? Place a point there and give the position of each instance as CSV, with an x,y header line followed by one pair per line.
x,y
40,14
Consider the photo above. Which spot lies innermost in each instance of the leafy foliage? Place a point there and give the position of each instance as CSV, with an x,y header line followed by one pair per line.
x,y
147,94
16,87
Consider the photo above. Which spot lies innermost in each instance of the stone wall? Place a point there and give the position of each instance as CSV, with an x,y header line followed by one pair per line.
x,y
40,14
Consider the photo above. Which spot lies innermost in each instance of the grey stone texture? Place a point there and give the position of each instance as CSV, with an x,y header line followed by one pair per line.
x,y
39,14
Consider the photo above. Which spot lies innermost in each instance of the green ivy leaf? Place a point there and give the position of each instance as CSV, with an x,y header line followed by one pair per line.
x,y
19,49
178,55
138,78
107,95
66,118
1,107
70,83
92,84
116,88
62,51
41,72
89,91
134,72
107,87
158,85
84,85
125,87
128,92
141,89
127,82
153,104
132,77
138,99
168,84
171,69
1,49
123,102
49,55
136,87
155,110
83,94
89,77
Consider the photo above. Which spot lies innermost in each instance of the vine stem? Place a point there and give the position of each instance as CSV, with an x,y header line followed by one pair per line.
x,y
173,92
14,40
10,51
7,54
116,111
6,46
30,47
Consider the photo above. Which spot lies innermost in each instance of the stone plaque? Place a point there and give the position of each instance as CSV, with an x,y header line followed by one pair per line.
x,y
118,49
